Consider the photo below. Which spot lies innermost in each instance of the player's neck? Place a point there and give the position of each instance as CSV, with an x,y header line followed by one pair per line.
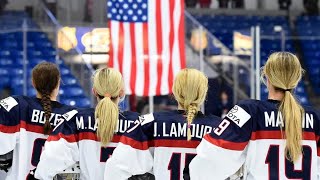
x,y
275,95
52,98
180,107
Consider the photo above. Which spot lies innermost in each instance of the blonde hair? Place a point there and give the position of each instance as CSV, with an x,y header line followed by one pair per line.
x,y
190,89
107,83
284,71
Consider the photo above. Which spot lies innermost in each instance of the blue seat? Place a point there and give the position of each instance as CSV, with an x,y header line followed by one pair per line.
x,y
71,91
64,71
5,54
34,54
32,92
16,72
69,80
6,62
78,102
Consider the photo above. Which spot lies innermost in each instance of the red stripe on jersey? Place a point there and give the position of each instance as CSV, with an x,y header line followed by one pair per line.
x,y
134,143
174,143
238,146
31,127
159,143
70,138
94,137
277,135
81,136
9,129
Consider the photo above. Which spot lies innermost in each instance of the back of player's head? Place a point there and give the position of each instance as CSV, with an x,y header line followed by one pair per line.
x,y
190,89
45,79
108,87
283,71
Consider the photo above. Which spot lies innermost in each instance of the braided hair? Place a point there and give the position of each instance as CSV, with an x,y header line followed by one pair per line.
x,y
46,78
190,89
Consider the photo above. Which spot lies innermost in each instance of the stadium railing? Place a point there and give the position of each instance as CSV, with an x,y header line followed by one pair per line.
x,y
81,68
208,54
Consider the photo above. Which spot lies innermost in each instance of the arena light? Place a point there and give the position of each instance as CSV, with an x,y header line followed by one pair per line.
x,y
277,28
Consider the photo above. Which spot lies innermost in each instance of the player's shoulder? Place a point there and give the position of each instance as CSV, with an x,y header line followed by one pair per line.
x,y
207,120
129,115
253,106
72,114
11,102
309,110
211,117
250,103
164,115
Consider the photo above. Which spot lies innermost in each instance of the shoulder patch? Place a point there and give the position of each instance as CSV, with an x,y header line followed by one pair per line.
x,y
145,119
67,116
238,115
8,103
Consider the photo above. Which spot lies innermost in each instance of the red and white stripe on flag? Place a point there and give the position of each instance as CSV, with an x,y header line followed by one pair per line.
x,y
147,43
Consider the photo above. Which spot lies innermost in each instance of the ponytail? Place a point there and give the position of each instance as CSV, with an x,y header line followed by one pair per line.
x,y
107,85
292,113
45,79
191,113
46,104
107,112
283,71
190,88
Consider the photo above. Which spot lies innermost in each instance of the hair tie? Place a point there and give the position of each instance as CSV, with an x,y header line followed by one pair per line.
x,y
189,125
107,95
287,89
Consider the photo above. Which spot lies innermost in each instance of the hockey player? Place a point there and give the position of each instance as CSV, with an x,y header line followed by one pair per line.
x,y
88,136
165,141
25,122
273,139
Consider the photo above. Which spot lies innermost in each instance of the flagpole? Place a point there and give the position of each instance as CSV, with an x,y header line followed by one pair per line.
x,y
151,104
258,94
252,67
201,60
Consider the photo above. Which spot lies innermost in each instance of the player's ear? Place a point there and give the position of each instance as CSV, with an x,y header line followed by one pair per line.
x,y
121,93
94,92
33,83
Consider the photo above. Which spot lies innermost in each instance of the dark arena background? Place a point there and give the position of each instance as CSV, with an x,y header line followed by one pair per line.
x,y
228,40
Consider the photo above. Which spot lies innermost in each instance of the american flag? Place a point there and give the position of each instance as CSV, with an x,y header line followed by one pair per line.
x,y
147,43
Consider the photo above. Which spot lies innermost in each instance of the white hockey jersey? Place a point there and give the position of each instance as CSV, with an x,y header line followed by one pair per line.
x,y
3,175
75,141
21,130
250,135
158,143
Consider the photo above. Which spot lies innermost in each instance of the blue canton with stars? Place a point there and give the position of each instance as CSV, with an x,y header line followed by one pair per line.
x,y
128,10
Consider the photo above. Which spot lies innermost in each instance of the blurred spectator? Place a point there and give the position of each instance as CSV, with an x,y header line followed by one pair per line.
x,y
3,4
191,3
223,3
284,4
88,11
237,4
311,7
205,3
225,105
